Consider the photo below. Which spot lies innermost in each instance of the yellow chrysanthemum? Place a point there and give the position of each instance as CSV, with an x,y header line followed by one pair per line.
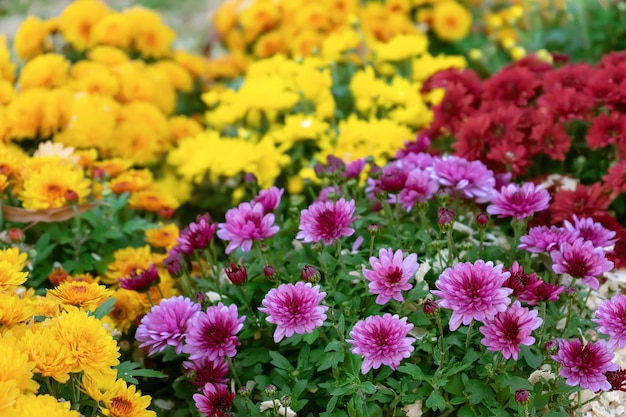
x,y
401,47
86,295
30,38
14,257
10,276
44,306
183,127
97,81
179,77
427,65
115,29
47,70
127,309
78,20
152,200
163,237
152,37
137,142
14,310
47,187
51,357
131,181
108,55
125,401
15,371
41,405
114,166
92,348
451,21
128,260
25,112
4,182
7,67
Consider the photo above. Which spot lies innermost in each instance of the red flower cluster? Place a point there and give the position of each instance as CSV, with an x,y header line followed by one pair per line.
x,y
530,113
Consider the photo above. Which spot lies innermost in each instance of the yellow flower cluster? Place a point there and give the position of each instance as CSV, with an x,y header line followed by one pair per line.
x,y
297,28
54,337
284,104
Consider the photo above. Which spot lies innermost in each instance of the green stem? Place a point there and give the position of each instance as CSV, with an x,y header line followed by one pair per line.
x,y
233,371
481,238
372,237
338,255
518,228
469,335
149,298
451,247
443,341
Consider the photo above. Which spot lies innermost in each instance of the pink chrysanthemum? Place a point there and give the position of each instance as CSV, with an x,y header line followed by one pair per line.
x,y
141,280
471,179
294,309
197,235
213,334
245,224
542,292
510,329
214,401
381,341
205,370
519,202
521,282
581,260
326,221
270,198
588,229
585,365
390,274
473,291
611,316
166,324
419,187
544,239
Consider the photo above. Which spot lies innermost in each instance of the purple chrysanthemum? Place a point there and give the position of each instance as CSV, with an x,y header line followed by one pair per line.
x,y
141,281
205,370
381,341
174,262
390,274
543,292
472,179
270,198
585,365
294,309
197,235
419,187
214,400
581,260
166,324
519,202
611,316
520,281
213,334
510,329
326,221
473,291
354,168
544,239
588,229
245,224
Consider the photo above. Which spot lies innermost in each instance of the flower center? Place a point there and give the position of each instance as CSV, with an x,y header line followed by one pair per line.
x,y
577,268
120,407
510,330
394,275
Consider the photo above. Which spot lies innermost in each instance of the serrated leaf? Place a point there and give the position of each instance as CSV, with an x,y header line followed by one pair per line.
x,y
104,308
412,370
435,401
280,361
129,370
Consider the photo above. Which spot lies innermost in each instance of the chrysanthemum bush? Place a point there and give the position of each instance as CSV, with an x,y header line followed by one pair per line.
x,y
428,288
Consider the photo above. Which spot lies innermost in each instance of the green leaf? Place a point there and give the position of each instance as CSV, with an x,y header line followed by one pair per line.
x,y
412,370
513,382
342,389
368,387
129,370
418,292
331,404
435,401
104,308
477,391
532,356
280,361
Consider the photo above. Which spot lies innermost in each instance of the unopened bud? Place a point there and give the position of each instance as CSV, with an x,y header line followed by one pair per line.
x,y
445,217
551,346
71,196
270,273
373,229
285,400
249,178
58,276
270,390
166,212
522,396
244,392
16,235
482,219
431,309
310,274
237,274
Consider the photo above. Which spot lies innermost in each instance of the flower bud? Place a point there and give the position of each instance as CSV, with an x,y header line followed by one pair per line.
x,y
166,212
375,172
249,178
270,273
316,247
551,347
99,173
482,219
244,392
320,170
431,309
237,274
285,400
16,235
310,274
71,196
373,229
445,218
270,390
58,276
522,396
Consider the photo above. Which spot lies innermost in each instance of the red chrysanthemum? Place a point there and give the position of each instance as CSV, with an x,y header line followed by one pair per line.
x,y
551,139
606,129
516,85
585,201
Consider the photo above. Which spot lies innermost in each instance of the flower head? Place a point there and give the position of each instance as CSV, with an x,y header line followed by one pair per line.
x,y
237,274
471,179
197,235
294,309
269,198
588,229
245,224
473,291
521,282
544,239
166,324
611,316
213,334
419,187
141,281
390,274
585,365
581,260
81,294
214,400
125,400
204,370
519,202
326,221
381,341
509,329
541,293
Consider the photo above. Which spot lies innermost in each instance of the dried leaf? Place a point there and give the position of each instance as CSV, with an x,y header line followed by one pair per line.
x,y
52,215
